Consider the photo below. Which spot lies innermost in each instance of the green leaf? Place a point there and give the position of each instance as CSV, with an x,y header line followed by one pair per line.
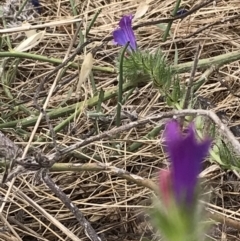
x,y
148,67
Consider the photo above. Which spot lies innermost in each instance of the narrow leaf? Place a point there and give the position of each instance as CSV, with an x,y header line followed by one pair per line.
x,y
31,32
141,10
30,42
85,70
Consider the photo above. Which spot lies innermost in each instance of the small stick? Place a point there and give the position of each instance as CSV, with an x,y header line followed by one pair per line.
x,y
223,129
89,231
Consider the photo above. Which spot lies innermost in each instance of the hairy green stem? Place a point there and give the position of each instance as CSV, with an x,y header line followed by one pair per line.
x,y
29,121
22,55
180,68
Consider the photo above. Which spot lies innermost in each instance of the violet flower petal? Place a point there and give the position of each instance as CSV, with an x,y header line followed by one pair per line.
x,y
186,155
125,33
120,37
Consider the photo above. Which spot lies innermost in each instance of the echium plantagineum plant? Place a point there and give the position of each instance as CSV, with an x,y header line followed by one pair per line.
x,y
177,213
141,64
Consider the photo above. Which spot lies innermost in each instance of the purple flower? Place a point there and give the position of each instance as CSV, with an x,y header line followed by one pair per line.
x,y
125,33
186,155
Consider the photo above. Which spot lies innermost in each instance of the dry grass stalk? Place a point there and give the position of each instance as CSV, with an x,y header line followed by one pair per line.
x,y
110,202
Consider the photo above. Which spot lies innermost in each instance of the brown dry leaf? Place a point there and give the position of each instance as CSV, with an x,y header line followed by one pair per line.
x,y
85,70
141,10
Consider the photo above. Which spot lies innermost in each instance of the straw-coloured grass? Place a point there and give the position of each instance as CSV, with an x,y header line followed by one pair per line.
x,y
110,202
